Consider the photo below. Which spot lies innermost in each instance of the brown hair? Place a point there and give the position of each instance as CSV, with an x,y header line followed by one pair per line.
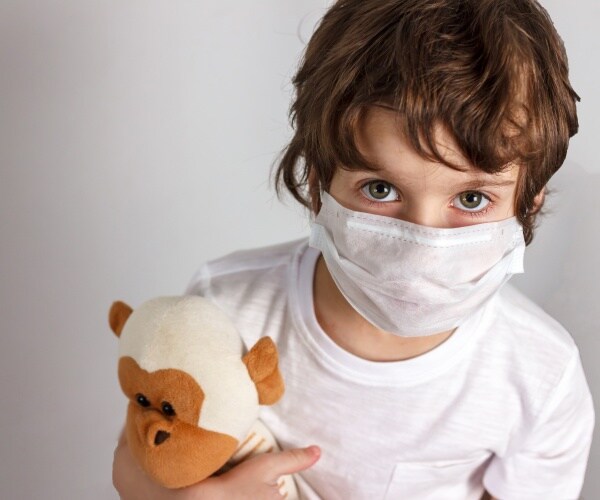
x,y
493,72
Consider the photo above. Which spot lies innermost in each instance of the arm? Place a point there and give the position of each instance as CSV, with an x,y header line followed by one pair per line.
x,y
548,457
254,478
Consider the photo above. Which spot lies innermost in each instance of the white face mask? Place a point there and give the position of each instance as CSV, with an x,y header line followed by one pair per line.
x,y
414,280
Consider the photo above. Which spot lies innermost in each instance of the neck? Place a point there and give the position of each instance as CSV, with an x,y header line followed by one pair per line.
x,y
353,333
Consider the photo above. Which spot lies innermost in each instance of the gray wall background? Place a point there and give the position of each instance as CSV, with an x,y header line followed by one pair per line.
x,y
135,142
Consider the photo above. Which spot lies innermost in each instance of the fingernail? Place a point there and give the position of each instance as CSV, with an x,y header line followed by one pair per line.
x,y
313,450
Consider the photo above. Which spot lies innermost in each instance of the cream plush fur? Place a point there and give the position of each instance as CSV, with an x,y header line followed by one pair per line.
x,y
191,334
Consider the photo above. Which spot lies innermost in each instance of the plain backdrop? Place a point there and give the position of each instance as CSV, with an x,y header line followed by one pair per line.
x,y
136,140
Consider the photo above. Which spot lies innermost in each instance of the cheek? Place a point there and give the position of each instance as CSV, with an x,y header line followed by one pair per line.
x,y
508,210
505,206
131,428
336,187
342,197
346,191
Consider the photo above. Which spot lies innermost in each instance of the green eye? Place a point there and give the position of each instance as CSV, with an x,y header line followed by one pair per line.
x,y
379,191
471,201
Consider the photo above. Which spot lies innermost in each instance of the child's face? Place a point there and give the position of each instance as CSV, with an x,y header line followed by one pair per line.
x,y
417,190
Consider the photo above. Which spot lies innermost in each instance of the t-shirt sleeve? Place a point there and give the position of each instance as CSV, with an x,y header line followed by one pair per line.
x,y
551,457
200,282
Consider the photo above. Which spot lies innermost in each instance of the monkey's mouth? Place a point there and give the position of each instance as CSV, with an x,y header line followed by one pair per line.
x,y
156,434
175,453
161,436
152,431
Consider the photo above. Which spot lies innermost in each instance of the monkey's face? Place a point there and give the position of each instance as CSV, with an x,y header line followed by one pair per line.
x,y
162,426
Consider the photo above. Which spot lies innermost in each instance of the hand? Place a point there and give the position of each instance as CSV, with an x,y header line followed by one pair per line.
x,y
254,479
257,478
132,483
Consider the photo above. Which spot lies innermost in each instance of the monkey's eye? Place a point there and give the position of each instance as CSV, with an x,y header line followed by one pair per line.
x,y
142,400
167,409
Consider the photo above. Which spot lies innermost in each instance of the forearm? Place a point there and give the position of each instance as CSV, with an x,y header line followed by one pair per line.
x,y
256,477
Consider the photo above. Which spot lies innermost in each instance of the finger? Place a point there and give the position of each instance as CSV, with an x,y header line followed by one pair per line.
x,y
288,462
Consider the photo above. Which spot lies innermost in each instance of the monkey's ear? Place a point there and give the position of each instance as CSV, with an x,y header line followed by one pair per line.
x,y
117,316
262,364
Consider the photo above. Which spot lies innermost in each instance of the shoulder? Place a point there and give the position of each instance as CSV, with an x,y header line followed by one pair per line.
x,y
251,285
244,265
530,327
533,350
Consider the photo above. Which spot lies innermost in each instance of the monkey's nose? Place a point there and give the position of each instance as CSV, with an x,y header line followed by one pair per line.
x,y
161,437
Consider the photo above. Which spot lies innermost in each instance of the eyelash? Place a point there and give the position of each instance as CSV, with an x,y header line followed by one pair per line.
x,y
481,213
376,204
380,204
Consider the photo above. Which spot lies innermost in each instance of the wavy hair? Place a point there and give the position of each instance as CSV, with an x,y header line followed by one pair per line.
x,y
494,73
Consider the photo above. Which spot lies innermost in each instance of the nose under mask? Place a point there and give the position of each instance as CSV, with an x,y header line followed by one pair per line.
x,y
413,280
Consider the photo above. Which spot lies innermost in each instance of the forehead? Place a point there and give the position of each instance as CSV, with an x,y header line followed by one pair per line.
x,y
379,137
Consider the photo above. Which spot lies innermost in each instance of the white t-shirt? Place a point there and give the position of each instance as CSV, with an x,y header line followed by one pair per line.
x,y
503,403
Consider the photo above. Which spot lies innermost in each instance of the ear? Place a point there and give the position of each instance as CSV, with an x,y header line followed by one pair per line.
x,y
262,364
538,201
117,316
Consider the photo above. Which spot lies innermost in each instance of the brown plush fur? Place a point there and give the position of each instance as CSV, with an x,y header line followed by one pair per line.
x,y
204,451
262,364
117,316
173,386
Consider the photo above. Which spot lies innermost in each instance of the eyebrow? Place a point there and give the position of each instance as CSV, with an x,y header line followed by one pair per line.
x,y
479,183
470,184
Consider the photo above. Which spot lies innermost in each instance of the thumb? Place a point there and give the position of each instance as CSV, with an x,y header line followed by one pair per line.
x,y
289,461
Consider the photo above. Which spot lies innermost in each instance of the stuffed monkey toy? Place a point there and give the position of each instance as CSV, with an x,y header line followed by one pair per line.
x,y
193,396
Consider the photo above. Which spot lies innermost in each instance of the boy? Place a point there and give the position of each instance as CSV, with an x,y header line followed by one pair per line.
x,y
425,133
